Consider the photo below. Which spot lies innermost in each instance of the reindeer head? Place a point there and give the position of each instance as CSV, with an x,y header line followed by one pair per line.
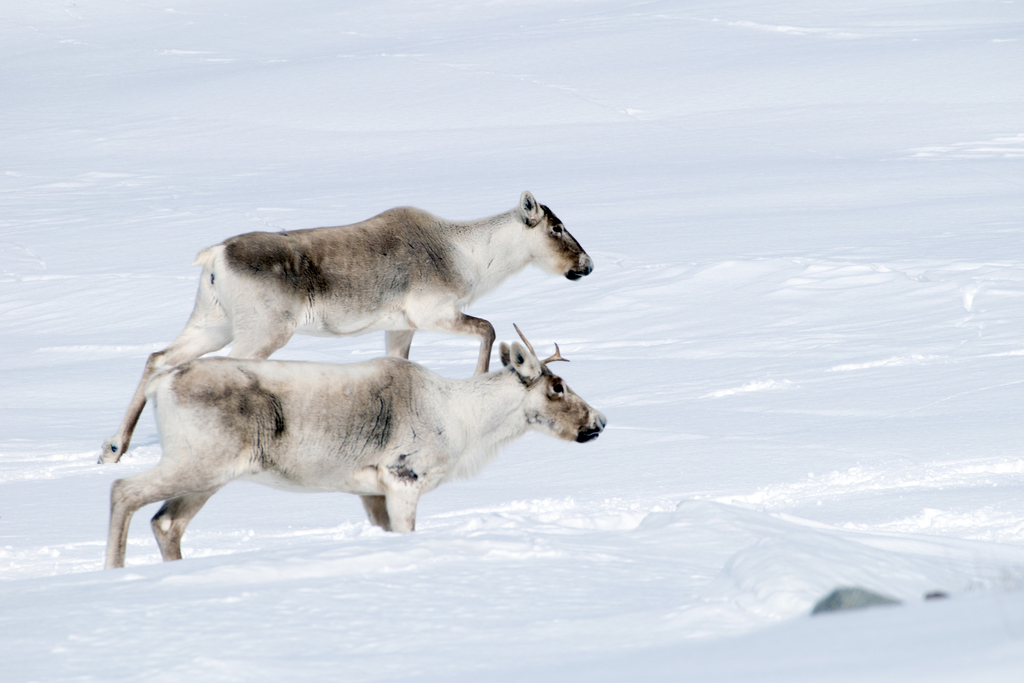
x,y
554,249
551,406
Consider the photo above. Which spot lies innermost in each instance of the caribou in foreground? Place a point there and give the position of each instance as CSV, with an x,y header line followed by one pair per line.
x,y
401,271
387,429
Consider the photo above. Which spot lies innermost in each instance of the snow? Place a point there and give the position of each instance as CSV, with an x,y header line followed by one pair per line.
x,y
804,326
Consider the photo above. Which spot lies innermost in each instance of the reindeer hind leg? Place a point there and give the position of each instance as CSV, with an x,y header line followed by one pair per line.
x,y
260,333
170,522
126,497
194,341
208,329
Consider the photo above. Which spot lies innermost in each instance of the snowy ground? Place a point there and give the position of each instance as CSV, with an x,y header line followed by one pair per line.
x,y
805,327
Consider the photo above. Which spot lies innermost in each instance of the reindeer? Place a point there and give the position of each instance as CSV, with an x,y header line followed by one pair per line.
x,y
401,271
387,429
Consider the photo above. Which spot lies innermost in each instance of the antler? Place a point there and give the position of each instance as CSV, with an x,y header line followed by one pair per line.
x,y
549,359
557,356
525,340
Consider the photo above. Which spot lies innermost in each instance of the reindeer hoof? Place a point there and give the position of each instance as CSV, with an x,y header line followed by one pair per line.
x,y
112,451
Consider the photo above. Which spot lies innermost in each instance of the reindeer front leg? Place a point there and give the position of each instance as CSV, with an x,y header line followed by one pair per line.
x,y
377,510
460,323
397,342
402,511
444,318
401,495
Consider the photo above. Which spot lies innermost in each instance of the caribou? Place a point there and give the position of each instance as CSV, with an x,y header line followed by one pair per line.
x,y
401,271
388,430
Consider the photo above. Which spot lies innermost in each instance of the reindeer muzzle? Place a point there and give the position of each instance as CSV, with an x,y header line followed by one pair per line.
x,y
590,432
584,267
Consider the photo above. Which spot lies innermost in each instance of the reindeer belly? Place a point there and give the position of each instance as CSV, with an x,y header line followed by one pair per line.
x,y
363,481
336,321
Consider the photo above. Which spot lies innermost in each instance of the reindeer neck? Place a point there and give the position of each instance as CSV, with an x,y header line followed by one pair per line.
x,y
493,250
494,404
490,414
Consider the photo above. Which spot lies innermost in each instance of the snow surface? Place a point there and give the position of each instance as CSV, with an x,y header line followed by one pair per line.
x,y
805,327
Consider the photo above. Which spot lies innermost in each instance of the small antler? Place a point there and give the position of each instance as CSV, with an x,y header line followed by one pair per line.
x,y
525,340
557,356
550,359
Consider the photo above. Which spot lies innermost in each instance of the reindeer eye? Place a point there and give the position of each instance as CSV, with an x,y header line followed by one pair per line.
x,y
557,388
557,230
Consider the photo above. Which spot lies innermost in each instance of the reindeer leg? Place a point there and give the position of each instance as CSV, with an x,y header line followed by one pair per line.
x,y
121,511
401,495
258,337
208,329
402,510
170,522
194,341
460,323
126,497
377,511
398,342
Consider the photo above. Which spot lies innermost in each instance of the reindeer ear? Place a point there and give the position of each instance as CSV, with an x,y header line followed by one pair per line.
x,y
522,361
529,209
503,353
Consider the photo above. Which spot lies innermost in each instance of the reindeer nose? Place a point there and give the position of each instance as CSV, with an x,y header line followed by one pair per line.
x,y
591,431
584,267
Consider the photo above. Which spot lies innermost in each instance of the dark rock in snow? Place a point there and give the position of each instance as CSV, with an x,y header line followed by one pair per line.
x,y
851,598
